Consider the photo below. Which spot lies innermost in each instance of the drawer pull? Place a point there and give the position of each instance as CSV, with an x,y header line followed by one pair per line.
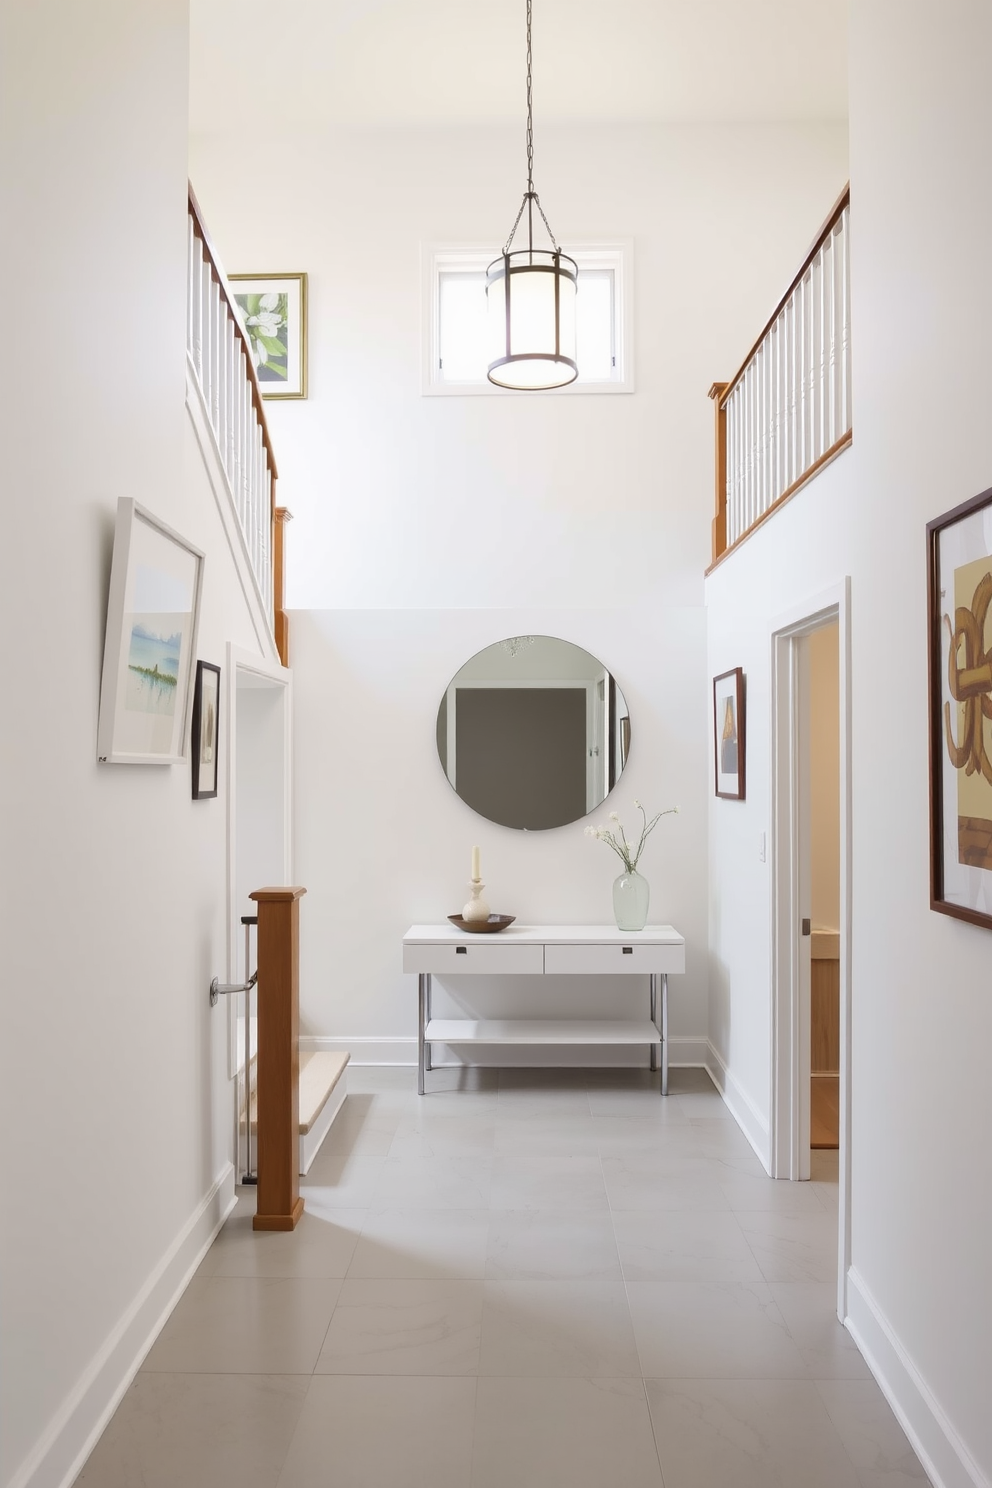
x,y
628,950
461,950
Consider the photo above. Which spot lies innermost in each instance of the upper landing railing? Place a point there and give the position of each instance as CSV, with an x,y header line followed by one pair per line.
x,y
221,356
787,412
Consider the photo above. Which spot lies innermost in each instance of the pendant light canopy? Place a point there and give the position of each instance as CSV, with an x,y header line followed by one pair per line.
x,y
531,295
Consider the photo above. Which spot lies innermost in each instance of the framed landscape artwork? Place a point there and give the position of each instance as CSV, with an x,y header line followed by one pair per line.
x,y
728,733
959,576
205,731
273,310
152,613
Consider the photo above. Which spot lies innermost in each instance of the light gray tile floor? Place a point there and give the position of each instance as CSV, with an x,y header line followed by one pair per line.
x,y
529,1277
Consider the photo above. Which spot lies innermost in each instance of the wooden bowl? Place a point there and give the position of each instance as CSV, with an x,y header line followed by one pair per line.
x,y
483,927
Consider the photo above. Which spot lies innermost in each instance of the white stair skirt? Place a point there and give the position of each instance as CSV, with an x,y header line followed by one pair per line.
x,y
323,1087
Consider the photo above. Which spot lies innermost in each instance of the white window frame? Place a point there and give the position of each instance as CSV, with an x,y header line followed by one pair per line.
x,y
616,256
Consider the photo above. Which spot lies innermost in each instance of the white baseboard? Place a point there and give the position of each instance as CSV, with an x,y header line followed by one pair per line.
x,y
682,1050
59,1455
742,1108
945,1458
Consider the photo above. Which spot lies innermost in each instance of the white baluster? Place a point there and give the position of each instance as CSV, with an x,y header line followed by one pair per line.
x,y
196,309
732,469
190,276
233,371
845,320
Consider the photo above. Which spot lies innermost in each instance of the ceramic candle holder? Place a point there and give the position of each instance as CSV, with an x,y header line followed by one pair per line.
x,y
476,909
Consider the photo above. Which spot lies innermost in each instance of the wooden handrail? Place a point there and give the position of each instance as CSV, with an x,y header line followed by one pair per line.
x,y
841,445
217,273
778,430
835,213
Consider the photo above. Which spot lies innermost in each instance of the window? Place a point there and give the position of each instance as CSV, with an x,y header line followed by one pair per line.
x,y
456,350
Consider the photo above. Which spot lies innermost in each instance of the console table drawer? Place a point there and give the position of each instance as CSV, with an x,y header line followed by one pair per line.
x,y
482,957
606,960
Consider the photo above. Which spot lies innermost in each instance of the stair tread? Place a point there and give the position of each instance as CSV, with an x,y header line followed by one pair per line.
x,y
320,1071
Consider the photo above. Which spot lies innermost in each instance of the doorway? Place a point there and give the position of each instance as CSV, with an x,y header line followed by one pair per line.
x,y
819,663
811,897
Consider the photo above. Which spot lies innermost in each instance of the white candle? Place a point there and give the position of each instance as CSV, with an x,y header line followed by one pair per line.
x,y
476,871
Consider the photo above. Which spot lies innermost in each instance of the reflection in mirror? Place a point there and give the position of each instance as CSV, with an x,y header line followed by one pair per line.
x,y
533,732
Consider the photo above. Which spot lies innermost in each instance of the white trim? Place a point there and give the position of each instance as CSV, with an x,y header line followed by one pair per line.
x,y
401,1050
310,1140
59,1455
617,255
274,674
258,609
943,1454
787,1137
750,1120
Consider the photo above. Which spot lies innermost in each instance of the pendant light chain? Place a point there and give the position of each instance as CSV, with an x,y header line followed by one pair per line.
x,y
530,194
530,105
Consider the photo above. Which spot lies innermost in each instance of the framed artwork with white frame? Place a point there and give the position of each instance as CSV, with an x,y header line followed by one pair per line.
x,y
152,614
273,311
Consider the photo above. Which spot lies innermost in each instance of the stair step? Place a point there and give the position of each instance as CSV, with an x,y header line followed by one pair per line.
x,y
323,1087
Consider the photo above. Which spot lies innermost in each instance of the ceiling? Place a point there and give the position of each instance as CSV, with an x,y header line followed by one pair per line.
x,y
369,62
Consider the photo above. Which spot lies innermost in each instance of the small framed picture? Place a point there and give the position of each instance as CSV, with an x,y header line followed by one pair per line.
x,y
273,309
204,730
152,613
728,733
959,616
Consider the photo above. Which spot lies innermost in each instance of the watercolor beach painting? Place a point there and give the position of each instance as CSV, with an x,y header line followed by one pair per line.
x,y
153,663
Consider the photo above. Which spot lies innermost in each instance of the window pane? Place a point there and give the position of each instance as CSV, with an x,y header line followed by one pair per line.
x,y
594,325
463,335
465,331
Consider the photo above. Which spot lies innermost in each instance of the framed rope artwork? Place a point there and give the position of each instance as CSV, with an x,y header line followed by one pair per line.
x,y
959,616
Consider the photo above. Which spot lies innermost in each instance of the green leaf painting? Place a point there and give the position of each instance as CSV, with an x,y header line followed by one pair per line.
x,y
266,322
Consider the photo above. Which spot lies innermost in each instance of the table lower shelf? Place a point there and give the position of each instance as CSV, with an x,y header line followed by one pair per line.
x,y
541,1031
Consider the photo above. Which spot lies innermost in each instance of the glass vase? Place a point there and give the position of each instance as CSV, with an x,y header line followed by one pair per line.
x,y
631,893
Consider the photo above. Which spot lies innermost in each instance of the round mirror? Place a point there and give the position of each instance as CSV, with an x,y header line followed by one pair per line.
x,y
533,732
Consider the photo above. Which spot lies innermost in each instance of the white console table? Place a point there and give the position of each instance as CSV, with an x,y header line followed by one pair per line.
x,y
545,950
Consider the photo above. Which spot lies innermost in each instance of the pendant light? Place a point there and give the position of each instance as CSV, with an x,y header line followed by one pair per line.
x,y
531,296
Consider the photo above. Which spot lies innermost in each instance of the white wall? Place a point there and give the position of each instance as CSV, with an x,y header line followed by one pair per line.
x,y
383,841
428,527
824,776
403,501
922,1017
114,1104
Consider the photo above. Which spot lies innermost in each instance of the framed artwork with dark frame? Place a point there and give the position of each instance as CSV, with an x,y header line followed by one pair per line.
x,y
728,734
959,625
273,310
205,730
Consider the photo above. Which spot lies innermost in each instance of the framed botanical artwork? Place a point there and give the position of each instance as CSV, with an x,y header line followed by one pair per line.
x,y
152,613
728,734
273,309
959,580
204,730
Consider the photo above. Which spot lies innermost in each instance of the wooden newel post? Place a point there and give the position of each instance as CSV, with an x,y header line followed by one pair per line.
x,y
719,529
278,1063
280,517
